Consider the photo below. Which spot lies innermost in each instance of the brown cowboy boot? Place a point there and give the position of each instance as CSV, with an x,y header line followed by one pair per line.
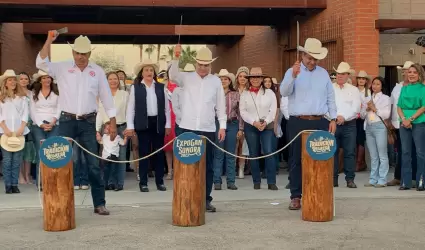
x,y
360,159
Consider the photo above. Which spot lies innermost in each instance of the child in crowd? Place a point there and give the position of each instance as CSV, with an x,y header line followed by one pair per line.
x,y
111,151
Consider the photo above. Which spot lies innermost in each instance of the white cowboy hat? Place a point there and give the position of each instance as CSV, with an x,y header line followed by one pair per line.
x,y
9,73
406,65
13,143
343,67
189,67
225,73
362,74
255,72
141,65
39,74
204,56
274,81
81,45
314,48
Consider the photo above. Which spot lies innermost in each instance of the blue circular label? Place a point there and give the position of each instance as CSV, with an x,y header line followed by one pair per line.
x,y
321,145
188,148
55,152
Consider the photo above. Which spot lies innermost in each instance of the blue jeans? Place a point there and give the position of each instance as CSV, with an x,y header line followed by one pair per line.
x,y
346,139
81,173
417,134
258,140
39,134
377,144
12,162
117,175
85,132
229,144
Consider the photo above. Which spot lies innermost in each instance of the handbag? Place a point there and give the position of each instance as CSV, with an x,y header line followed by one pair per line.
x,y
269,126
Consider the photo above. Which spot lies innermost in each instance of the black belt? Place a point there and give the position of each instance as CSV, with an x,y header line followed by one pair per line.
x,y
232,119
79,117
122,124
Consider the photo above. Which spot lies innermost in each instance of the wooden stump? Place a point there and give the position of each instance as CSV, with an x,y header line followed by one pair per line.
x,y
58,197
317,182
189,194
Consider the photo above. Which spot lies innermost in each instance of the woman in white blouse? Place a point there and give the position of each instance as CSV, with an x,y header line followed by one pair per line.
x,y
375,111
14,117
117,176
258,109
44,110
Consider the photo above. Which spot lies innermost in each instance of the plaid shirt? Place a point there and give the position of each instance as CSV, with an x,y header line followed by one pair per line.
x,y
232,107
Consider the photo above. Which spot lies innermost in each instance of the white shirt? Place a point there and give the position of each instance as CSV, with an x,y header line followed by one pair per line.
x,y
111,147
14,112
348,101
120,102
395,94
201,101
284,107
175,101
79,89
383,109
151,103
254,107
44,109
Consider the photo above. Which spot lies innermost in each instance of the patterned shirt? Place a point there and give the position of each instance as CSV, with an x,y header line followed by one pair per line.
x,y
232,107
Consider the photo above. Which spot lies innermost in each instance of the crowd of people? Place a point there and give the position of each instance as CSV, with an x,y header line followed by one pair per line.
x,y
248,113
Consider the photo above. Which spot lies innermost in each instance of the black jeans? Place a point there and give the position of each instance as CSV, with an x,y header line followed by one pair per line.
x,y
296,125
397,171
85,132
150,141
346,139
209,160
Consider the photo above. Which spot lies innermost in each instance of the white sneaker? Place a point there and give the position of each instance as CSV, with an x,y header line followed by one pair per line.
x,y
76,187
84,187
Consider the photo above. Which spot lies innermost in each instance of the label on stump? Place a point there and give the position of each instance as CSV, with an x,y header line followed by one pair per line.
x,y
55,152
321,145
188,148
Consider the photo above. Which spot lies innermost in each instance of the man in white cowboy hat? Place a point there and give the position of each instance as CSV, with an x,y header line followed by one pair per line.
x,y
348,104
202,100
308,103
80,82
395,122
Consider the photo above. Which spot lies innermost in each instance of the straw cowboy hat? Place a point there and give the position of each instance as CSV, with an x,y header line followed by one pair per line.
x,y
225,73
256,72
141,65
39,74
9,73
81,45
189,67
204,56
362,74
343,67
406,65
13,143
314,48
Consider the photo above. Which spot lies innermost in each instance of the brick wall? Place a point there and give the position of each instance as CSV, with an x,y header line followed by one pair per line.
x,y
17,51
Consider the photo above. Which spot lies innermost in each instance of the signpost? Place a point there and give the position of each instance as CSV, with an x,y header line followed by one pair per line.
x,y
189,180
318,149
58,184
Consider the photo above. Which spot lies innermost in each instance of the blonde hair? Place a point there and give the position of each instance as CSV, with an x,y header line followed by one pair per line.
x,y
4,93
421,72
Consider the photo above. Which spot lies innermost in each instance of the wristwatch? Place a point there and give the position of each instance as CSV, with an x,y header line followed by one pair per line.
x,y
411,119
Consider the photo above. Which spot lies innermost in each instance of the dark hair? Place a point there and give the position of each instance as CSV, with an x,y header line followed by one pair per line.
x,y
36,88
139,77
382,80
30,84
231,86
271,87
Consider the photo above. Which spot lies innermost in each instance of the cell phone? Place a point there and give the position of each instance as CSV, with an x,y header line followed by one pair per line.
x,y
46,122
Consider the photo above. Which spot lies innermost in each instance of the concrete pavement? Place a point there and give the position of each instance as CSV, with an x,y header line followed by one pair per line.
x,y
366,218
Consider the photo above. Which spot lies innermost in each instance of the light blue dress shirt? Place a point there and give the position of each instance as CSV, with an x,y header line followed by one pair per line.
x,y
311,93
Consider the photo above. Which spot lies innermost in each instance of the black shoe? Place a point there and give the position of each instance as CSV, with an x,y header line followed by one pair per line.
x,y
161,187
336,184
351,184
119,188
15,190
263,175
217,186
288,186
257,186
273,187
143,188
210,208
129,170
110,187
232,186
8,189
